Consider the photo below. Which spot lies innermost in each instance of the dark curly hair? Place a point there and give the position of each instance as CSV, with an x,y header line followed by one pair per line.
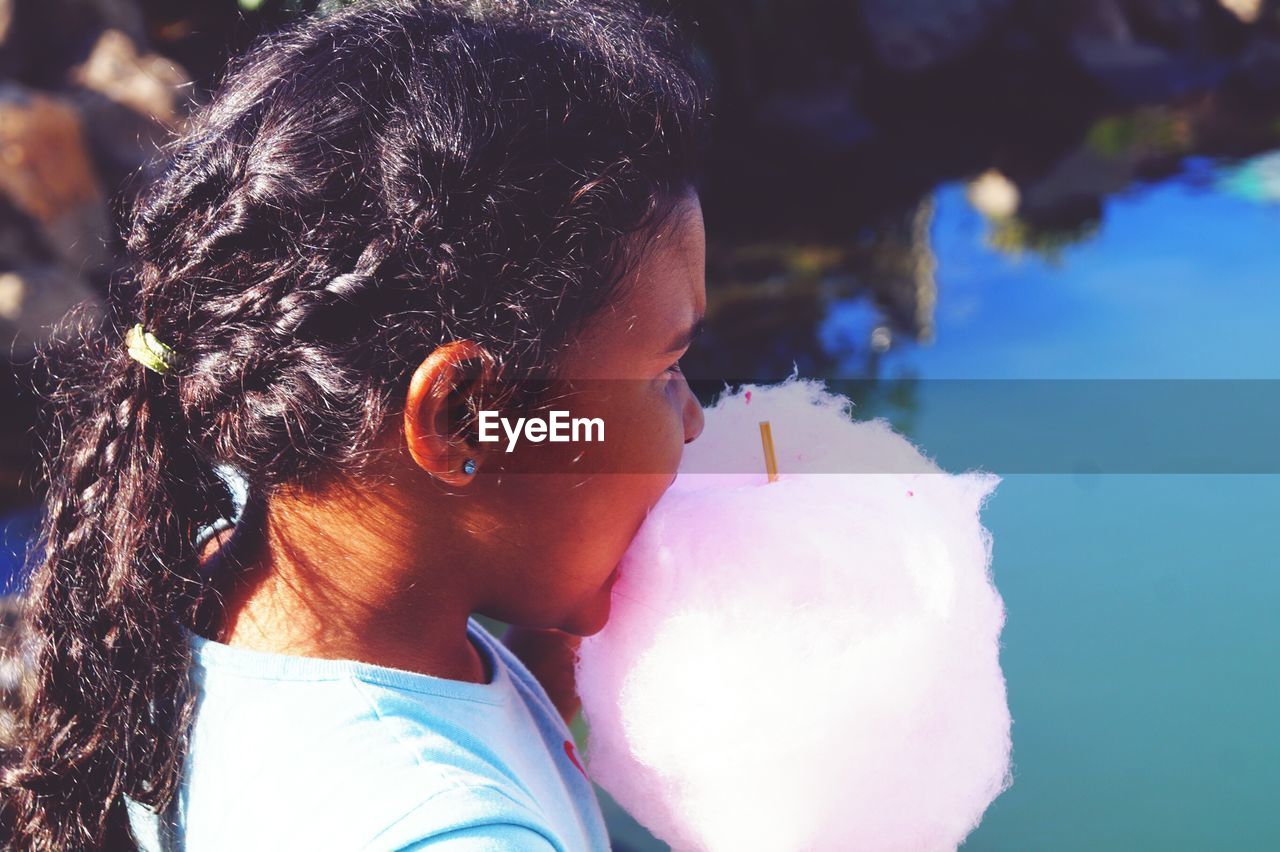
x,y
360,189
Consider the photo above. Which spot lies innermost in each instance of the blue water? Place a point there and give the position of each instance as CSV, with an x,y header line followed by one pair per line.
x,y
1142,654
1142,648
1181,282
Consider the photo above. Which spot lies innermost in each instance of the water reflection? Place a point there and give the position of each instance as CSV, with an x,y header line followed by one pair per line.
x,y
768,303
863,285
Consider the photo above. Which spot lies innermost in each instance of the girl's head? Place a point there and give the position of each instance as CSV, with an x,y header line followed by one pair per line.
x,y
534,535
383,221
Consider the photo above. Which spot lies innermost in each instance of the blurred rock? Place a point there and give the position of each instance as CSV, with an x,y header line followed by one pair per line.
x,y
1146,50
128,100
32,300
123,15
21,241
1086,175
1248,11
914,35
1128,70
146,83
47,174
1100,39
825,119
46,37
1259,66
12,53
1096,21
1172,23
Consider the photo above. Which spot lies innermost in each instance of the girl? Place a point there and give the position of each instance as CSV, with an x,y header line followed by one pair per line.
x,y
384,223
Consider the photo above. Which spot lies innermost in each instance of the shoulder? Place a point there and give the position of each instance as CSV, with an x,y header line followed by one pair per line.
x,y
381,780
477,817
318,756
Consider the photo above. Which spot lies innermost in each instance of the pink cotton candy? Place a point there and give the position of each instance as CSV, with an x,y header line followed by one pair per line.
x,y
810,664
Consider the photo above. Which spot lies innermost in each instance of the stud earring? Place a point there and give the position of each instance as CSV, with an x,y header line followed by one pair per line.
x,y
469,467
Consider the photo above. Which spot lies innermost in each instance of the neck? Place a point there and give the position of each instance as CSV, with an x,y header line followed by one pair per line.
x,y
319,585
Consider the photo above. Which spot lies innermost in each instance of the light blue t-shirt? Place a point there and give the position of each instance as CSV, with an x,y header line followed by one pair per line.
x,y
301,753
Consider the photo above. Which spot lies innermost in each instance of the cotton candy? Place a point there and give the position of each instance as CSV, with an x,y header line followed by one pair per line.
x,y
808,664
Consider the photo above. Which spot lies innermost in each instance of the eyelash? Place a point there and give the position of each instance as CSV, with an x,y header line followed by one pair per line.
x,y
675,368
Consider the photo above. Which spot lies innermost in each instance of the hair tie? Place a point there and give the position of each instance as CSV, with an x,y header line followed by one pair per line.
x,y
148,351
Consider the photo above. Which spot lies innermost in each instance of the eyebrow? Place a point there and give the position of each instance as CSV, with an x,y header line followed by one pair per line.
x,y
686,338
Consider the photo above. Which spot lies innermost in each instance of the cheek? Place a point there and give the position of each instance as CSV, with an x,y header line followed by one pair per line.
x,y
589,527
602,516
583,514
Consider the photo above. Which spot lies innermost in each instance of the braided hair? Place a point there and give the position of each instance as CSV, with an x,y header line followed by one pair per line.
x,y
359,189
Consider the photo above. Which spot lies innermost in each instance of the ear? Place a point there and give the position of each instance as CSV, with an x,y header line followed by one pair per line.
x,y
434,404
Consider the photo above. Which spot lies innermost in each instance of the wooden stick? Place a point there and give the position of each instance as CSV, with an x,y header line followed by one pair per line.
x,y
770,459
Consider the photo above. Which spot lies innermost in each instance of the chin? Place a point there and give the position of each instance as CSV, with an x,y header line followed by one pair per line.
x,y
591,618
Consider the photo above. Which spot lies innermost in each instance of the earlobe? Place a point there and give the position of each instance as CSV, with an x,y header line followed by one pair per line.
x,y
427,417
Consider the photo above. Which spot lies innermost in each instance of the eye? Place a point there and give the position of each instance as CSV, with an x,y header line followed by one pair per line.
x,y
674,369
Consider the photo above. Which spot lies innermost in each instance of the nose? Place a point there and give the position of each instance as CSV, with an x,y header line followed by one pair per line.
x,y
693,419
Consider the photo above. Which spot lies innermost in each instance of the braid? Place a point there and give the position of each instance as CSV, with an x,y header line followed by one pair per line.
x,y
106,606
